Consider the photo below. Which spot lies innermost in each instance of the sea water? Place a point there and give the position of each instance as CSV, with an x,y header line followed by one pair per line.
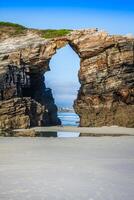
x,y
69,118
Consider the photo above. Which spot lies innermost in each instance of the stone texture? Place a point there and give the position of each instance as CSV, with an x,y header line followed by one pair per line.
x,y
20,113
24,133
106,95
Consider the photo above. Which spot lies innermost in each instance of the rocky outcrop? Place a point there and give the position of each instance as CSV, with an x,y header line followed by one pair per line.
x,y
20,113
106,95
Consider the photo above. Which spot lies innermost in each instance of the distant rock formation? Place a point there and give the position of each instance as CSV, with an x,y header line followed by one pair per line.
x,y
106,75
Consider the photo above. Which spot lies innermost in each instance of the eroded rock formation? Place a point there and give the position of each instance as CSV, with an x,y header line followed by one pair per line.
x,y
106,74
20,113
106,96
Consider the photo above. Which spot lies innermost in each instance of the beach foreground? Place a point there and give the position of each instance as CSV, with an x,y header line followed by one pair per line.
x,y
84,131
86,168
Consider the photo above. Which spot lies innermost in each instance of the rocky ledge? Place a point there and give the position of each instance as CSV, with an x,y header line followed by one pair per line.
x,y
106,75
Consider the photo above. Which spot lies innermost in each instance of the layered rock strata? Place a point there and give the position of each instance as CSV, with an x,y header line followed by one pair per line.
x,y
20,113
106,75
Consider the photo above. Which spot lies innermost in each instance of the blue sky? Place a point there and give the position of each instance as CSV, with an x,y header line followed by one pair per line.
x,y
63,77
96,4
115,16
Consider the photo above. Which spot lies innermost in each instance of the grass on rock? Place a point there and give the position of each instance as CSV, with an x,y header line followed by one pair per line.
x,y
13,29
50,33
9,24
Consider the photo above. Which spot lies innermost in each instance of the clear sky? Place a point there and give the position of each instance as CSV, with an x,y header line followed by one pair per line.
x,y
63,77
114,16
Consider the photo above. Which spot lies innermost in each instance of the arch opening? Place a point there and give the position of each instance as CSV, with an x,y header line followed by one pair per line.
x,y
64,82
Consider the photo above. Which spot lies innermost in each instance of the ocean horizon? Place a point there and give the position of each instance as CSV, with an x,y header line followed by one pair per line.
x,y
69,118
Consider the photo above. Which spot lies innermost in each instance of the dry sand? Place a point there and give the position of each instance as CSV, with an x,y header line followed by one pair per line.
x,y
86,168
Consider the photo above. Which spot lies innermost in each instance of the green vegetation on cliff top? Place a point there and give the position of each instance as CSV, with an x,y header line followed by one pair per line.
x,y
51,33
9,24
13,29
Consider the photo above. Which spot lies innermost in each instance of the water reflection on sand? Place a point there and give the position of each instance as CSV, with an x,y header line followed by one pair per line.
x,y
59,134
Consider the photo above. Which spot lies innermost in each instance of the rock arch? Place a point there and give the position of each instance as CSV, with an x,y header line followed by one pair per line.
x,y
106,95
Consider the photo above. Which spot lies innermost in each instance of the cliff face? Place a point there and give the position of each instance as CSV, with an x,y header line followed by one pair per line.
x,y
22,68
106,74
106,96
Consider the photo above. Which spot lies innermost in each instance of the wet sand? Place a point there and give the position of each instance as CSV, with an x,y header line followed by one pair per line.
x,y
84,168
89,130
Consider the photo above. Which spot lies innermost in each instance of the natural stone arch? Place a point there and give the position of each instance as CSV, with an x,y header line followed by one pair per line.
x,y
106,96
30,64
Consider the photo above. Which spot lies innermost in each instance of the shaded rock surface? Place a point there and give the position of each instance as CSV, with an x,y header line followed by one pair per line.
x,y
20,113
106,75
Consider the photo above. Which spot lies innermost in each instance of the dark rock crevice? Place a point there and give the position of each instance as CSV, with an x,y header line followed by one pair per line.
x,y
19,82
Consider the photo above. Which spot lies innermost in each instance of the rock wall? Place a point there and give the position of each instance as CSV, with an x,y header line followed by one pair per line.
x,y
20,113
25,101
106,74
22,76
106,96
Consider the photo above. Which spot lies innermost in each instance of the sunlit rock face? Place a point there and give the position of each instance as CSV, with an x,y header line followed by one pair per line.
x,y
106,95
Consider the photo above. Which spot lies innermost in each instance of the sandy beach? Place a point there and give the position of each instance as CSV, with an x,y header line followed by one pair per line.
x,y
84,168
97,130
85,131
